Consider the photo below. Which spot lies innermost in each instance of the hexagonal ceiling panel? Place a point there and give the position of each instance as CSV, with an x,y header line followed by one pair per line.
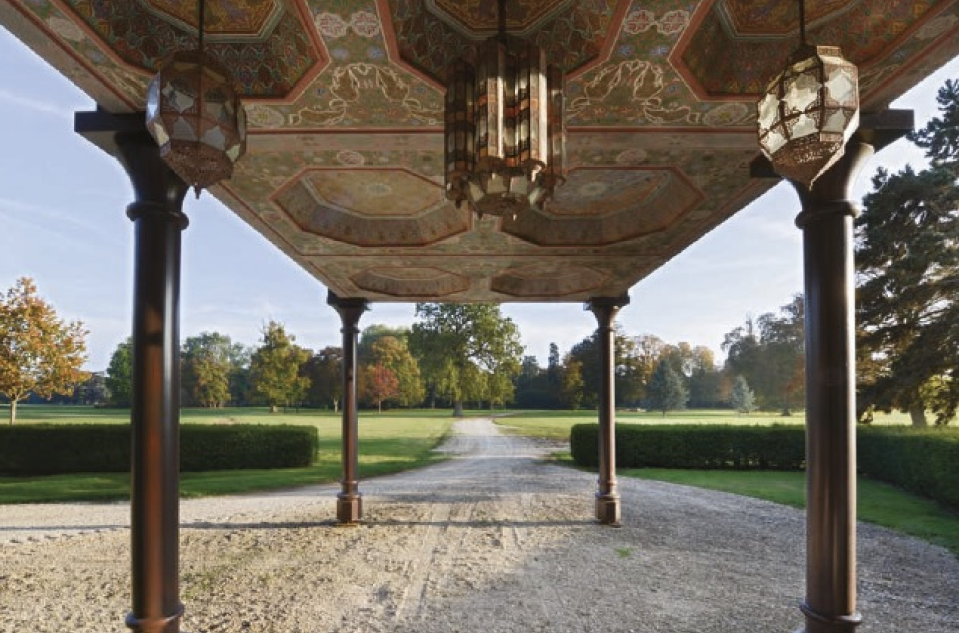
x,y
344,171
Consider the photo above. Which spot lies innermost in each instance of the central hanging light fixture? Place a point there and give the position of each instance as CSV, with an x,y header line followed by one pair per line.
x,y
194,113
504,127
809,111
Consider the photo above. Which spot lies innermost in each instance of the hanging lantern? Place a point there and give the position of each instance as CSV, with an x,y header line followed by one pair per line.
x,y
195,115
809,111
504,128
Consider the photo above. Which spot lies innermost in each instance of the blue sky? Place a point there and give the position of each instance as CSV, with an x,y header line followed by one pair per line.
x,y
63,223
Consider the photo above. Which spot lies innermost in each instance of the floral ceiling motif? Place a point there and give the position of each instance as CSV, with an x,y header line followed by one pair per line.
x,y
345,104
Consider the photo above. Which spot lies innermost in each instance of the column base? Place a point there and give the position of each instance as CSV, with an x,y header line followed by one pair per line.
x,y
819,623
608,510
349,509
155,625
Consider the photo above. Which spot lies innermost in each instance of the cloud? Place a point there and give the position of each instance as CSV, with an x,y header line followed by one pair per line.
x,y
28,104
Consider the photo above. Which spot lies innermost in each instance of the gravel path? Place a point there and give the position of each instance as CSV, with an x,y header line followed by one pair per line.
x,y
493,540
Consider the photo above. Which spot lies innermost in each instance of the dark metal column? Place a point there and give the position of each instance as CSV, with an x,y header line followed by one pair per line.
x,y
349,502
158,220
827,224
607,498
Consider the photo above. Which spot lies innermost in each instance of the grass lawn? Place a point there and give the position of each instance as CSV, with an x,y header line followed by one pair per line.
x,y
878,503
389,442
556,424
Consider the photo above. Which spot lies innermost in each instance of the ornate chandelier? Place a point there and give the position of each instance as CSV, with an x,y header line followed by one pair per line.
x,y
504,127
809,111
195,115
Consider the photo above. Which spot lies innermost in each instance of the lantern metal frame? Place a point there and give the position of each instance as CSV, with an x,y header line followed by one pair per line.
x,y
194,113
505,133
809,111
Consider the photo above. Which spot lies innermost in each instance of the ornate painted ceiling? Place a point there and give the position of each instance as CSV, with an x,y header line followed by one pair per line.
x,y
345,97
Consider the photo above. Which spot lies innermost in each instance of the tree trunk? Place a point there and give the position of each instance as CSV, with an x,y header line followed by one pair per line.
x,y
379,406
274,408
13,412
458,409
336,406
918,415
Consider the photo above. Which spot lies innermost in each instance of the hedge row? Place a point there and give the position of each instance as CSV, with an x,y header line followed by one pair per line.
x,y
924,462
706,446
47,449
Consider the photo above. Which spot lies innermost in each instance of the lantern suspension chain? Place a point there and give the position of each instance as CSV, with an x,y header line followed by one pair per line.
x,y
501,20
201,11
802,22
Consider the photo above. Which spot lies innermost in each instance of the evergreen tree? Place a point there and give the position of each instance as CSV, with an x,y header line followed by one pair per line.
x,y
907,256
666,391
742,397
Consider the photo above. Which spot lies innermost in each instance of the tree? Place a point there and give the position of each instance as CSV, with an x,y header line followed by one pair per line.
x,y
769,353
573,383
666,391
393,352
381,384
940,136
120,375
742,397
459,345
323,370
275,368
206,365
626,374
39,352
907,254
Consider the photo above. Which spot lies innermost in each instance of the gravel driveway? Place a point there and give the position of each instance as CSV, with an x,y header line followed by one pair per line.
x,y
493,540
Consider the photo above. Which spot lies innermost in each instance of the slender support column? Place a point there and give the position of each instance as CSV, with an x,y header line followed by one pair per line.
x,y
349,502
827,224
607,498
158,220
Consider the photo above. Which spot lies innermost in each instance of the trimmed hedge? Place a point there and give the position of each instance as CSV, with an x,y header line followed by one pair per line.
x,y
701,446
48,449
922,461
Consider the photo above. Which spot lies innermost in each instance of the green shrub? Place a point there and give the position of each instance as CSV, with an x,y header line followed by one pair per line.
x,y
922,461
47,449
707,446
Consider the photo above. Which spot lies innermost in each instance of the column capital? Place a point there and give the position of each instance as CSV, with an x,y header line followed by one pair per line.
x,y
157,189
350,309
606,308
830,193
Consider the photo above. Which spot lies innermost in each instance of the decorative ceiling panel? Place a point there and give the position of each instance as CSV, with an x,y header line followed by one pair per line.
x,y
345,105
268,47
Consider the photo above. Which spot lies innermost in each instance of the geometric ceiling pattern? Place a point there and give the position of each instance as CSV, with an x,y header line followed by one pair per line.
x,y
344,101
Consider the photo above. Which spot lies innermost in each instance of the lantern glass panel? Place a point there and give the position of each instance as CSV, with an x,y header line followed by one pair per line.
x,y
802,92
841,87
768,111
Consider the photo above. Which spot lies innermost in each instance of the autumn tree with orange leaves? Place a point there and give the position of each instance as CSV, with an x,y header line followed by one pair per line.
x,y
381,384
39,352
